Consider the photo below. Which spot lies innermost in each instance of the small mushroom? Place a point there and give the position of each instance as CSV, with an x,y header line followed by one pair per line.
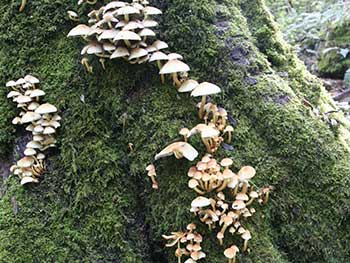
x,y
173,67
127,36
193,184
188,85
46,108
200,202
159,56
204,89
229,130
230,253
85,63
152,173
184,132
246,237
126,11
180,150
73,15
27,180
79,30
120,52
23,5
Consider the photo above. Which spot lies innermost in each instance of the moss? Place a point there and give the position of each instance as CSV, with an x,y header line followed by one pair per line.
x,y
96,204
333,64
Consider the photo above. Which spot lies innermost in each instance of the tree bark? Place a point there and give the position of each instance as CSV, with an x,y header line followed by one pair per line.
x,y
96,203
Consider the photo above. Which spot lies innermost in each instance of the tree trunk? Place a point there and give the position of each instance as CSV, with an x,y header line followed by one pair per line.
x,y
96,203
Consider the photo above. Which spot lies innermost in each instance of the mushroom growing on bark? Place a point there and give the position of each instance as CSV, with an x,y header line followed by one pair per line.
x,y
173,67
202,90
180,150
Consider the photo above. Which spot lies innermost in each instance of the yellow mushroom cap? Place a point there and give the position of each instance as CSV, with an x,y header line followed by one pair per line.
x,y
182,148
138,53
27,180
246,173
25,162
46,108
188,85
205,88
120,52
30,116
29,152
127,35
34,145
200,201
49,130
174,66
79,30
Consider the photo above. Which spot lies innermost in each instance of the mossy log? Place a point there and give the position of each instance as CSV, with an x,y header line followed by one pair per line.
x,y
96,203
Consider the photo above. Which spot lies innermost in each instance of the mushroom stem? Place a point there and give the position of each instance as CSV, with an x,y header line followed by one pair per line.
x,y
176,80
110,24
127,43
91,2
229,137
162,79
199,191
245,245
201,109
126,18
23,5
250,201
223,186
245,187
207,145
102,61
266,198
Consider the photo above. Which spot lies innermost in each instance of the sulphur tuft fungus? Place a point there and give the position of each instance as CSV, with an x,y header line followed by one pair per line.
x,y
174,67
203,90
180,150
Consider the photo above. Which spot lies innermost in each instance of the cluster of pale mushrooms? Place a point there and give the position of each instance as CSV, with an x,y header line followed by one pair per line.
x,y
122,30
42,121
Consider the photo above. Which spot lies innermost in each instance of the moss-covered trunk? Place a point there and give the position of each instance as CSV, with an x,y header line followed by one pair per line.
x,y
96,203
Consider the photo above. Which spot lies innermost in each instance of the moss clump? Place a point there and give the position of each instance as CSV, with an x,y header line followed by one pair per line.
x,y
96,203
333,64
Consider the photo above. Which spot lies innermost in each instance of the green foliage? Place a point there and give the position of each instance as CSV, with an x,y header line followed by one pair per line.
x,y
96,203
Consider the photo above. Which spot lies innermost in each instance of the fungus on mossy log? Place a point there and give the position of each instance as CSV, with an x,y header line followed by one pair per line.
x,y
88,211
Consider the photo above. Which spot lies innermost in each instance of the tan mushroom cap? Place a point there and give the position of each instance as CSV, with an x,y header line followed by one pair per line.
x,y
205,88
188,85
175,56
246,173
131,25
31,79
209,132
38,128
25,162
108,34
231,252
238,204
13,93
179,149
79,30
174,66
190,260
229,128
149,23
158,45
120,52
29,152
127,10
11,83
46,108
30,116
127,35
246,235
23,99
113,5
158,56
33,105
34,145
37,93
21,81
184,131
147,32
193,183
226,162
200,201
138,53
72,14
40,156
27,180
108,47
49,130
242,197
16,120
150,10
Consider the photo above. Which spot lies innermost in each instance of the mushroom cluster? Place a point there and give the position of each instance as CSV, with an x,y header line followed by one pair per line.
x,y
125,30
41,119
188,244
119,30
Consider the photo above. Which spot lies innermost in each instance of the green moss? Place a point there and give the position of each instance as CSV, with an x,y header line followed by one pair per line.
x,y
96,203
333,64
